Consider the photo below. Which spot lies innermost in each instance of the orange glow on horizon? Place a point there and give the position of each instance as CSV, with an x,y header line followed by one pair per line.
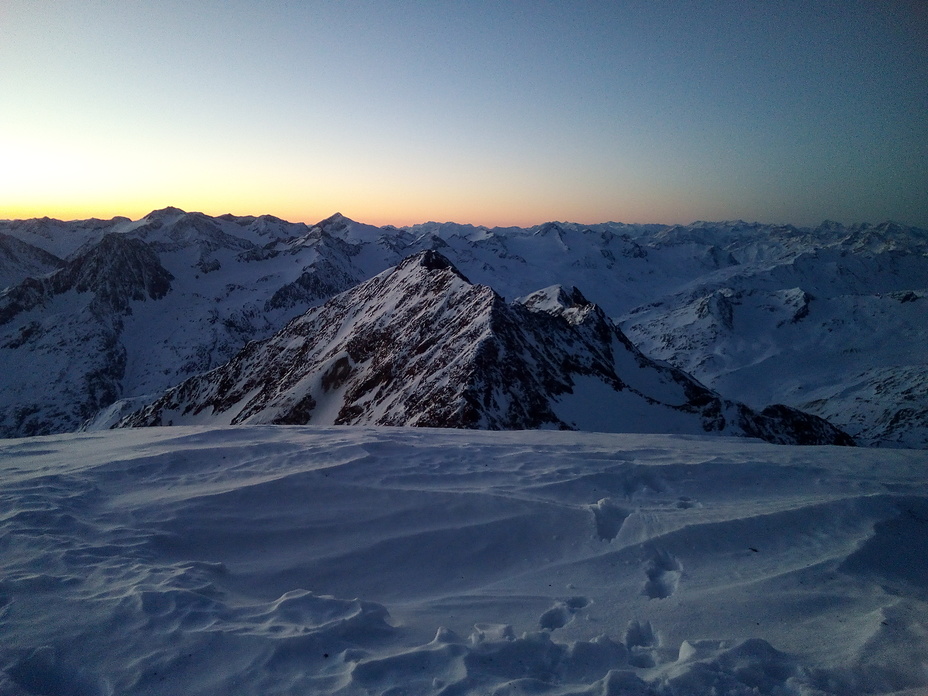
x,y
49,176
71,211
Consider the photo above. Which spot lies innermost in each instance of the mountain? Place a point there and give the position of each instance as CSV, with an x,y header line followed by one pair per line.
x,y
716,299
20,260
138,306
116,271
62,346
59,238
421,345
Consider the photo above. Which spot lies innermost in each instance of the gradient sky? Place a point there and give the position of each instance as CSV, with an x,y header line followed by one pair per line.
x,y
496,113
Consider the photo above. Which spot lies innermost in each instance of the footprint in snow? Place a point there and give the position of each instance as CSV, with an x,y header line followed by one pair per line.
x,y
562,613
663,571
609,518
642,641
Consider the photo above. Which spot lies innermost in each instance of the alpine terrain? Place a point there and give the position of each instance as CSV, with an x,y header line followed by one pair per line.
x,y
101,318
420,345
591,511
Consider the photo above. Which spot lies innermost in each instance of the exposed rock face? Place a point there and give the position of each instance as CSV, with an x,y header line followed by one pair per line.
x,y
74,350
116,270
421,345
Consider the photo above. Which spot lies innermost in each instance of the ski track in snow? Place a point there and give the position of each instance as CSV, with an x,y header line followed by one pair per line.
x,y
292,560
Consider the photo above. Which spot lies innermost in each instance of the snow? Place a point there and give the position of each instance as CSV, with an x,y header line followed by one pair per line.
x,y
593,405
291,560
857,360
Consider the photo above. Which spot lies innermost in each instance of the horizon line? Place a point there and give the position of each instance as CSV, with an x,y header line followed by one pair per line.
x,y
731,221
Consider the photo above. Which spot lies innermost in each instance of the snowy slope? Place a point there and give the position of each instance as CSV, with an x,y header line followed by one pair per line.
x,y
840,334
300,560
62,355
20,260
58,238
421,345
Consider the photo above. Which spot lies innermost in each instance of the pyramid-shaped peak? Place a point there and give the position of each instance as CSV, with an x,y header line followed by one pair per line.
x,y
555,299
549,228
336,220
414,346
430,260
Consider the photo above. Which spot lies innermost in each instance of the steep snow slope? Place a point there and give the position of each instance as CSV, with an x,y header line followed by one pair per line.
x,y
299,560
20,260
420,345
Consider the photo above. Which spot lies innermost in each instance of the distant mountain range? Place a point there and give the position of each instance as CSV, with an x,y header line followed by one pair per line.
x,y
183,317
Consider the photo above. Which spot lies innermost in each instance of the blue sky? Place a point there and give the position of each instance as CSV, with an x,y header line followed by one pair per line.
x,y
486,112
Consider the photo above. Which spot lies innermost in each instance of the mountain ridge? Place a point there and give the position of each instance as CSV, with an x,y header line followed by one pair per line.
x,y
420,345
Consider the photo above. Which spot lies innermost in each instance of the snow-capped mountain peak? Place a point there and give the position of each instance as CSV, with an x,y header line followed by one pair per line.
x,y
560,301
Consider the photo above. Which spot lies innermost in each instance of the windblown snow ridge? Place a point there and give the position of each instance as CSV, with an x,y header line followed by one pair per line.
x,y
358,561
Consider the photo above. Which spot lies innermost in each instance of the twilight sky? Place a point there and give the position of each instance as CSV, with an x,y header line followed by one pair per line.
x,y
498,112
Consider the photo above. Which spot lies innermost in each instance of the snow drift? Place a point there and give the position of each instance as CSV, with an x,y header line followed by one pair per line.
x,y
285,560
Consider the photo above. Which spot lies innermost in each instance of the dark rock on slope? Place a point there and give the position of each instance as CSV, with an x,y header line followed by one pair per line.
x,y
116,270
64,357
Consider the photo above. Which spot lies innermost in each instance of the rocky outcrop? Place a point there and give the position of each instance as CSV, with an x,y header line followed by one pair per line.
x,y
117,270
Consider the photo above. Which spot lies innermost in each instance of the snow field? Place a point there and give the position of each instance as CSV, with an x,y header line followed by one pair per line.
x,y
294,560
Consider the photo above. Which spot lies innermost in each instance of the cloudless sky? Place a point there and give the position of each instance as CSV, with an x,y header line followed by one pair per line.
x,y
498,112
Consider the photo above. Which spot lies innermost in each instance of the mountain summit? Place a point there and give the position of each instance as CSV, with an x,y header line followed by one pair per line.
x,y
421,345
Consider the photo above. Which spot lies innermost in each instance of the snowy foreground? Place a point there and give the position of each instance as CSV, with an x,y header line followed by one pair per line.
x,y
301,560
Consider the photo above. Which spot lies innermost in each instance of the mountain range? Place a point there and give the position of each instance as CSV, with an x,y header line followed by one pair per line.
x,y
184,317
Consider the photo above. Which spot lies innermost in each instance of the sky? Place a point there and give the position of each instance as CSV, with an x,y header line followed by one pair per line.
x,y
494,113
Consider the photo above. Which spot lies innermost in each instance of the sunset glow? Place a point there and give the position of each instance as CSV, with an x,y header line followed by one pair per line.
x,y
482,112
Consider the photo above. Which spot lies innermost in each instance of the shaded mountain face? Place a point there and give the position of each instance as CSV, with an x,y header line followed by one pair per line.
x,y
20,260
61,348
115,271
420,345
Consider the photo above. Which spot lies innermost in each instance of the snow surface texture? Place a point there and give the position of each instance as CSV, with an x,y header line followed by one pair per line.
x,y
295,560
832,320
